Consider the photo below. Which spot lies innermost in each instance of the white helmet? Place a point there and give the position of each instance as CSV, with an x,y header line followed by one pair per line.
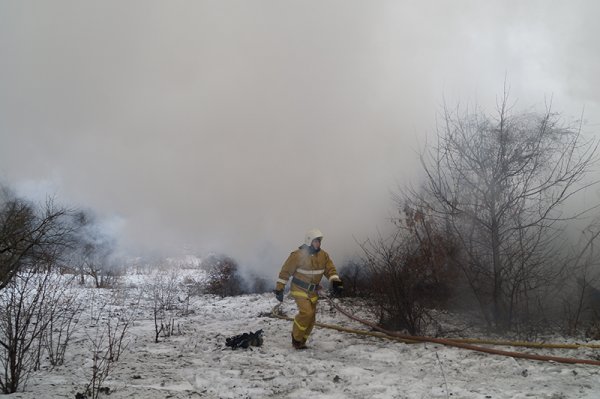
x,y
311,235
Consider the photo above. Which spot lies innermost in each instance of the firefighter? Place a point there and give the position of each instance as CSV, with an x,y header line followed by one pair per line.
x,y
306,266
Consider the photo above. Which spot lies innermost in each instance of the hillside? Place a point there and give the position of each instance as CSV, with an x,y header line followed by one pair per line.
x,y
195,363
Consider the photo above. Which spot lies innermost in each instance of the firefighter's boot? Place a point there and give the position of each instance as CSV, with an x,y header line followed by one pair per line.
x,y
298,344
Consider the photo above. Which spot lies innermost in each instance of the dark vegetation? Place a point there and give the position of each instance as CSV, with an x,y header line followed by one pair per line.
x,y
486,233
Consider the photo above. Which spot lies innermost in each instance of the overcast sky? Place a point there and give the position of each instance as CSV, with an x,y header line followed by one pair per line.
x,y
235,126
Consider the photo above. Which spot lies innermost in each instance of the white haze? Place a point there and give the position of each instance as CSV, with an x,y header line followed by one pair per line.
x,y
236,126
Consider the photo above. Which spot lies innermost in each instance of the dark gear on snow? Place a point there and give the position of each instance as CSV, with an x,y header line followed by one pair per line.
x,y
245,340
337,288
279,295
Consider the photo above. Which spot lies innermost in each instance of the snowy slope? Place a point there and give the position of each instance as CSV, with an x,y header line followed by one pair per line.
x,y
196,364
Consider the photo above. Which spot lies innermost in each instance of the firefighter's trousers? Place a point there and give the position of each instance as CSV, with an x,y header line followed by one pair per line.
x,y
305,319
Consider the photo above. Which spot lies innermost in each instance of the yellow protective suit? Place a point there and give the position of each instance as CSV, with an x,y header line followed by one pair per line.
x,y
307,268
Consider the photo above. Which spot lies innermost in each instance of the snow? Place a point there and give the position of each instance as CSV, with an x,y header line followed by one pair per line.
x,y
195,363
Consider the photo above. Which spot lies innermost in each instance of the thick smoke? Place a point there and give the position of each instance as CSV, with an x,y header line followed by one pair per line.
x,y
235,127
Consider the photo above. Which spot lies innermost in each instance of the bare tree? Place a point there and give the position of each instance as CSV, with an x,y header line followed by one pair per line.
x,y
30,236
499,182
33,240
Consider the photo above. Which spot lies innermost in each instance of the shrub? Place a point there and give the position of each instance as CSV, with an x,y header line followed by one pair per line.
x,y
409,272
223,277
356,278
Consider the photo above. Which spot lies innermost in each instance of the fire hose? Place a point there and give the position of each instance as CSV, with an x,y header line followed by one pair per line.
x,y
465,344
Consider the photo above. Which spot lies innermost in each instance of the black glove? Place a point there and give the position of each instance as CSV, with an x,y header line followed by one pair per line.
x,y
337,288
279,295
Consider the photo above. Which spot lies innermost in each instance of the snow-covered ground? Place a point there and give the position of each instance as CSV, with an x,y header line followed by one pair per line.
x,y
196,364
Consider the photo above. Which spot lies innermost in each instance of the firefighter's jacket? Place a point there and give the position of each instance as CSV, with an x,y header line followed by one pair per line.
x,y
309,267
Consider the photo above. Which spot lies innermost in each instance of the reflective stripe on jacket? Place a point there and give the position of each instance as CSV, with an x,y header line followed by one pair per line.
x,y
307,267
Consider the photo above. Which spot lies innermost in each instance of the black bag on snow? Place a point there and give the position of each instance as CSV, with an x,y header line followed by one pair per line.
x,y
245,340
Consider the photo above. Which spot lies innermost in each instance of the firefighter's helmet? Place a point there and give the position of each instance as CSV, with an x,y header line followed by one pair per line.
x,y
311,235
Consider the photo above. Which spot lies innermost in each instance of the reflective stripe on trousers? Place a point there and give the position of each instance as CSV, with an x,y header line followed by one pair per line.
x,y
305,319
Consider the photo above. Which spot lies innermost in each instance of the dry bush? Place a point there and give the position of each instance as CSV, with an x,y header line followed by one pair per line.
x,y
355,276
106,342
63,319
165,302
592,330
37,318
409,272
223,277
